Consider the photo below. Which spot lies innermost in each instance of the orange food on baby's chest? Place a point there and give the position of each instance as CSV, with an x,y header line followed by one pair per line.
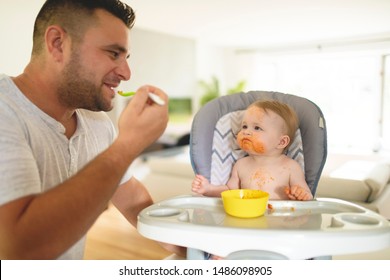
x,y
261,178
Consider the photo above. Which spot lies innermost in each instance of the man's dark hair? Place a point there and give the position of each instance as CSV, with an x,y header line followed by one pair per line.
x,y
75,16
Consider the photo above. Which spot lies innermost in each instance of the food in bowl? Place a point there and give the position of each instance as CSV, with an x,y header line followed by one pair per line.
x,y
245,203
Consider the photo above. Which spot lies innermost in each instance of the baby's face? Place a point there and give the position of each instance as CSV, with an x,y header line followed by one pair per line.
x,y
260,131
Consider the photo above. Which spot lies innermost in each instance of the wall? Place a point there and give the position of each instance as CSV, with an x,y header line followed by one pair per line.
x,y
17,20
162,60
166,61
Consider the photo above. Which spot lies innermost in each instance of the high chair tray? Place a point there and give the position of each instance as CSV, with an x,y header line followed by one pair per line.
x,y
295,229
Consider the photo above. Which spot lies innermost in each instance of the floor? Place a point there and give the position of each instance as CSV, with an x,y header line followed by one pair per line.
x,y
113,238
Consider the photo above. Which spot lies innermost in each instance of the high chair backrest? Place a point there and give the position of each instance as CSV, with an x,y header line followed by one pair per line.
x,y
213,147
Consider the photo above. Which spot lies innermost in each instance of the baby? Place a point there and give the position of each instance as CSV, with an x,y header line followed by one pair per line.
x,y
267,130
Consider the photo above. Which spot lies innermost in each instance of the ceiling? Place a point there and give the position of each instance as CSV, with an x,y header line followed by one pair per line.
x,y
266,23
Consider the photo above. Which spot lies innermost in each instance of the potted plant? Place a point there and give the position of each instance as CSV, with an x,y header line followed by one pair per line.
x,y
212,90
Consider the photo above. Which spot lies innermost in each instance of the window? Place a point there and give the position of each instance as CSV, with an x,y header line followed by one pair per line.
x,y
385,121
346,86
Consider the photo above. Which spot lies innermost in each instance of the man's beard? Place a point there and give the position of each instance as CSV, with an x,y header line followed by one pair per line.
x,y
77,91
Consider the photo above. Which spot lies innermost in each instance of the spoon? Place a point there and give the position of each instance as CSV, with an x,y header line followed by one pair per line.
x,y
155,98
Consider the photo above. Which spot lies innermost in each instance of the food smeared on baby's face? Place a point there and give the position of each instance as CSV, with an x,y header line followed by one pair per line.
x,y
250,144
247,138
260,130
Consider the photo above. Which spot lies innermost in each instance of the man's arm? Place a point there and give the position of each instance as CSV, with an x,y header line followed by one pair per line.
x,y
130,198
44,226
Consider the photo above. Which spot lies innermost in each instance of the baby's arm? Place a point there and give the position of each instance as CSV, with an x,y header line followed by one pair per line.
x,y
296,192
201,185
298,189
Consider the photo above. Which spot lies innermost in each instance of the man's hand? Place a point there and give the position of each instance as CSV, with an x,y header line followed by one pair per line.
x,y
143,121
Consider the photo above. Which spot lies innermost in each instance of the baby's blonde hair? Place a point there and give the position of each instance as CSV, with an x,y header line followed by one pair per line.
x,y
284,111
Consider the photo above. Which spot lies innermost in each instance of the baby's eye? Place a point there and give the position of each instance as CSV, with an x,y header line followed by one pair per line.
x,y
257,128
244,126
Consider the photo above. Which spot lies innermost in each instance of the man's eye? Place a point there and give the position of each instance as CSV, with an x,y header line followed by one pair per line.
x,y
114,54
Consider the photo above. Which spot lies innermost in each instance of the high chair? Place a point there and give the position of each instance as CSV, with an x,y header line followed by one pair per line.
x,y
213,147
315,229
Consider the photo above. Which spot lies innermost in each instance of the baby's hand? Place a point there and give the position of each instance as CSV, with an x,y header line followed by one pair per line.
x,y
200,184
298,193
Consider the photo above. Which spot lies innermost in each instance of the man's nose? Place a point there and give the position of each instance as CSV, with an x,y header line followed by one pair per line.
x,y
123,70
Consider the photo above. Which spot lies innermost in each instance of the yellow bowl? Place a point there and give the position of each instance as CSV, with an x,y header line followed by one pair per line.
x,y
244,203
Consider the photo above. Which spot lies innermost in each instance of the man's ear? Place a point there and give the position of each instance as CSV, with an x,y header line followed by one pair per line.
x,y
55,38
284,141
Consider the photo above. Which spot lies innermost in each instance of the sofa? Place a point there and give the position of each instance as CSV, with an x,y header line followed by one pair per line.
x,y
364,180
166,173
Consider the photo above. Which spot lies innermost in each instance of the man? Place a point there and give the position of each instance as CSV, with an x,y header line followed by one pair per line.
x,y
60,162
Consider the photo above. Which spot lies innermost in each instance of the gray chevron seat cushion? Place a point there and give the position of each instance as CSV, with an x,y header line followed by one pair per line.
x,y
213,147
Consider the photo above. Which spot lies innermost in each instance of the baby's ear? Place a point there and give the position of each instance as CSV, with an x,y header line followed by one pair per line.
x,y
284,141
